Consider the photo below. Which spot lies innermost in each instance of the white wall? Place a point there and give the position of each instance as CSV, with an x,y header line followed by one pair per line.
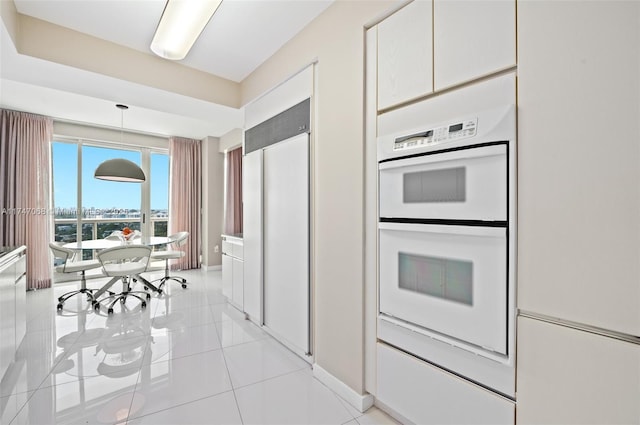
x,y
88,132
336,40
212,202
231,140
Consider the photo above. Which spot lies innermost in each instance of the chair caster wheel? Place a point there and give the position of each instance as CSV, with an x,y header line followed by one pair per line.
x,y
143,305
184,286
146,289
159,291
59,307
123,300
110,311
184,280
148,296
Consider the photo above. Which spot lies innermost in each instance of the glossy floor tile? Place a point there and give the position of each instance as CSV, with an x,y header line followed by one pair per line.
x,y
187,358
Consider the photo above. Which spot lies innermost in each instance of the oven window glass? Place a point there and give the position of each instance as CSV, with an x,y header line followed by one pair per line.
x,y
446,185
438,277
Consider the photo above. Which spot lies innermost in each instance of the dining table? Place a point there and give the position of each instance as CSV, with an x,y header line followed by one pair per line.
x,y
100,244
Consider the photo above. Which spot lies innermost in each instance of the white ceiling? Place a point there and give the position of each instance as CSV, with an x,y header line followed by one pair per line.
x,y
241,36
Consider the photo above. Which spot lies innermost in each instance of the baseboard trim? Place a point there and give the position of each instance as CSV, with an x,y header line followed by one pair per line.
x,y
362,402
210,268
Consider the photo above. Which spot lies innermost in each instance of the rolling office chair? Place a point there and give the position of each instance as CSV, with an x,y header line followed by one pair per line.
x,y
177,240
70,266
125,262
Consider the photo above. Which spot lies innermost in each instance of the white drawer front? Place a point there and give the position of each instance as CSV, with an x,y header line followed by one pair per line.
x,y
237,251
425,394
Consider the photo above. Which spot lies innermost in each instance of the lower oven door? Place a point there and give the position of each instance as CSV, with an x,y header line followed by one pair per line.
x,y
450,281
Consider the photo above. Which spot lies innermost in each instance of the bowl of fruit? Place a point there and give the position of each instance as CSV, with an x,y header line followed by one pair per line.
x,y
127,233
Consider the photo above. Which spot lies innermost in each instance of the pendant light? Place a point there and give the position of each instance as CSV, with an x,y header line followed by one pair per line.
x,y
120,169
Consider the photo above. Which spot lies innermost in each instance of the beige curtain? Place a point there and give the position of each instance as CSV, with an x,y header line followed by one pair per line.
x,y
184,197
24,190
233,213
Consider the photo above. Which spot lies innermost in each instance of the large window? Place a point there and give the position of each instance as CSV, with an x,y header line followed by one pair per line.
x,y
99,207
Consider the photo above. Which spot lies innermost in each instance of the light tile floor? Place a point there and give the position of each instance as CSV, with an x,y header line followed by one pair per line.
x,y
188,358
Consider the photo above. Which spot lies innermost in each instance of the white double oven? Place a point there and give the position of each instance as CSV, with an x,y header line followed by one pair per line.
x,y
447,233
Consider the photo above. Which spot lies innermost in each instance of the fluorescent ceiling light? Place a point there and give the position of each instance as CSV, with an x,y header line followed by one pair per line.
x,y
181,23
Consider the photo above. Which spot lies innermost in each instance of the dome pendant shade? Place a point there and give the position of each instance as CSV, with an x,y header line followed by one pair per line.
x,y
119,170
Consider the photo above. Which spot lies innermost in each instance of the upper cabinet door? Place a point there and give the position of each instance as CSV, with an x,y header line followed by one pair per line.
x,y
405,55
472,38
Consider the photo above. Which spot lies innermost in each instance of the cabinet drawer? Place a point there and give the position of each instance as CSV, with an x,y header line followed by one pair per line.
x,y
237,250
425,394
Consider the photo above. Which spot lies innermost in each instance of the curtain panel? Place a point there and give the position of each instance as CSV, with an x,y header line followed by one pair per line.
x,y
24,190
233,210
185,173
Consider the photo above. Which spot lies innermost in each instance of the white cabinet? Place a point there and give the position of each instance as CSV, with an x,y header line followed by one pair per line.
x,y
472,38
227,276
405,59
12,306
7,317
570,376
430,46
20,291
233,271
238,282
578,173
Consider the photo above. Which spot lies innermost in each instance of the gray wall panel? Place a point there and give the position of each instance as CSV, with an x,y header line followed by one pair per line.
x,y
295,120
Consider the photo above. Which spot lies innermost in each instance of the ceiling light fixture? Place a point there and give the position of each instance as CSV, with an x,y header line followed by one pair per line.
x,y
120,169
180,26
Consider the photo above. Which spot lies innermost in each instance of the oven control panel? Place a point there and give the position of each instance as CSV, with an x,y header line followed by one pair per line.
x,y
438,135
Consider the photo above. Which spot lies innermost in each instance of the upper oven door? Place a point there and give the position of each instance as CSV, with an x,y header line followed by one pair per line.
x,y
468,183
451,280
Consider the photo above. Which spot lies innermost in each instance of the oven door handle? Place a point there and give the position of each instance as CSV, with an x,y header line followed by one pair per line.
x,y
495,232
439,157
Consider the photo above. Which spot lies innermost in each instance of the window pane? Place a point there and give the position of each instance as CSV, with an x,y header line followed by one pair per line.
x,y
65,231
159,193
65,182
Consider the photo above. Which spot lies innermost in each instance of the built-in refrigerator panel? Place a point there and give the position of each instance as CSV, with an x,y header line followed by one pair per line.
x,y
252,234
286,241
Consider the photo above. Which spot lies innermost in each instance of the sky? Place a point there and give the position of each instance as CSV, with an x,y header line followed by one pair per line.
x,y
99,193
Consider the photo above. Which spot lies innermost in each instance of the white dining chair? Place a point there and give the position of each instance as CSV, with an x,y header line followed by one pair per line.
x,y
70,265
125,262
176,240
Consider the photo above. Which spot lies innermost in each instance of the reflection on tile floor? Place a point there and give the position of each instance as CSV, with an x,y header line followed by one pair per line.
x,y
188,358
